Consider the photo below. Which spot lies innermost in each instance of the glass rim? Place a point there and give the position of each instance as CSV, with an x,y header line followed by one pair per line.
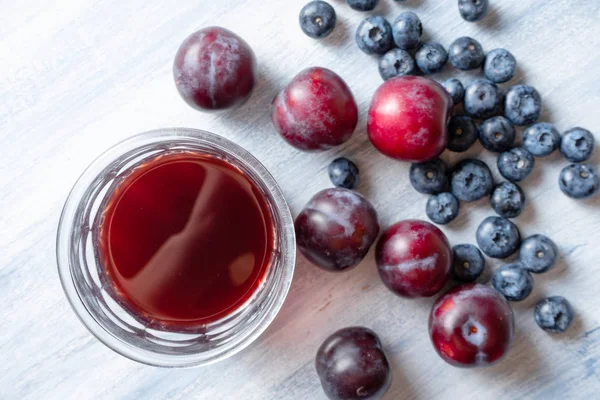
x,y
67,224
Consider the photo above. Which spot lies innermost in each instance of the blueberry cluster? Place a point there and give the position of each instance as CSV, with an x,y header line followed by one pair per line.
x,y
490,115
537,254
499,238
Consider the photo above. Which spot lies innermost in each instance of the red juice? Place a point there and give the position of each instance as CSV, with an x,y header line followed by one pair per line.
x,y
186,239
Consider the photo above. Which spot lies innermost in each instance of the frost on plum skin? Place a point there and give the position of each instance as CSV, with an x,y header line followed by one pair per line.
x,y
214,69
352,364
471,325
316,111
414,258
408,118
336,229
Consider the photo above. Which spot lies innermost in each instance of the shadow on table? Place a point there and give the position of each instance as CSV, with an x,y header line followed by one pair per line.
x,y
493,20
409,3
340,35
401,387
523,362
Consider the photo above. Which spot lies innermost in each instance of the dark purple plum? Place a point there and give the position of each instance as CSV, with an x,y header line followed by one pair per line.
x,y
214,69
316,111
471,325
414,258
352,364
336,229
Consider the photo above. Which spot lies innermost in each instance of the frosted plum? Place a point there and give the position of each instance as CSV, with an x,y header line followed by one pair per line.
x,y
414,258
336,229
316,111
214,69
408,118
471,325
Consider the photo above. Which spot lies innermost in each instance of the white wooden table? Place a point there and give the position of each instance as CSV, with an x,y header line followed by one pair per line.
x,y
77,76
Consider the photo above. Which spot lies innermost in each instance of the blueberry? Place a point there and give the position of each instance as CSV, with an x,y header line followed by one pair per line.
x,y
455,88
407,29
538,254
498,237
471,180
466,53
462,133
343,173
396,62
374,35
497,134
577,144
508,200
541,139
468,262
579,181
429,177
522,105
442,208
362,5
473,10
513,282
554,314
499,66
431,57
317,19
482,99
515,164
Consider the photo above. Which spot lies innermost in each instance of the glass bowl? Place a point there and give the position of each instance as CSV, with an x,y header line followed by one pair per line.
x,y
91,294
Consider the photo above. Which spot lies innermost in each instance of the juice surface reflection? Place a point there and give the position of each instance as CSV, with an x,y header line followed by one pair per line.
x,y
186,239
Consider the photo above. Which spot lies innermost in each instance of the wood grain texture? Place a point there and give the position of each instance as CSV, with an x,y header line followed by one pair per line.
x,y
78,76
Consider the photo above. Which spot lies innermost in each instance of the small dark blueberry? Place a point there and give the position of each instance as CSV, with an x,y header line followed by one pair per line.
x,y
374,35
522,105
577,144
508,200
541,139
482,99
396,62
343,173
468,263
554,314
538,254
317,19
407,30
431,57
497,134
513,282
473,10
429,177
497,237
466,53
462,133
515,164
442,208
499,66
455,89
579,181
363,5
471,180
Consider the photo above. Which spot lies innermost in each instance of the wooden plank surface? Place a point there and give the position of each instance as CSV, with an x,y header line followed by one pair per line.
x,y
78,76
